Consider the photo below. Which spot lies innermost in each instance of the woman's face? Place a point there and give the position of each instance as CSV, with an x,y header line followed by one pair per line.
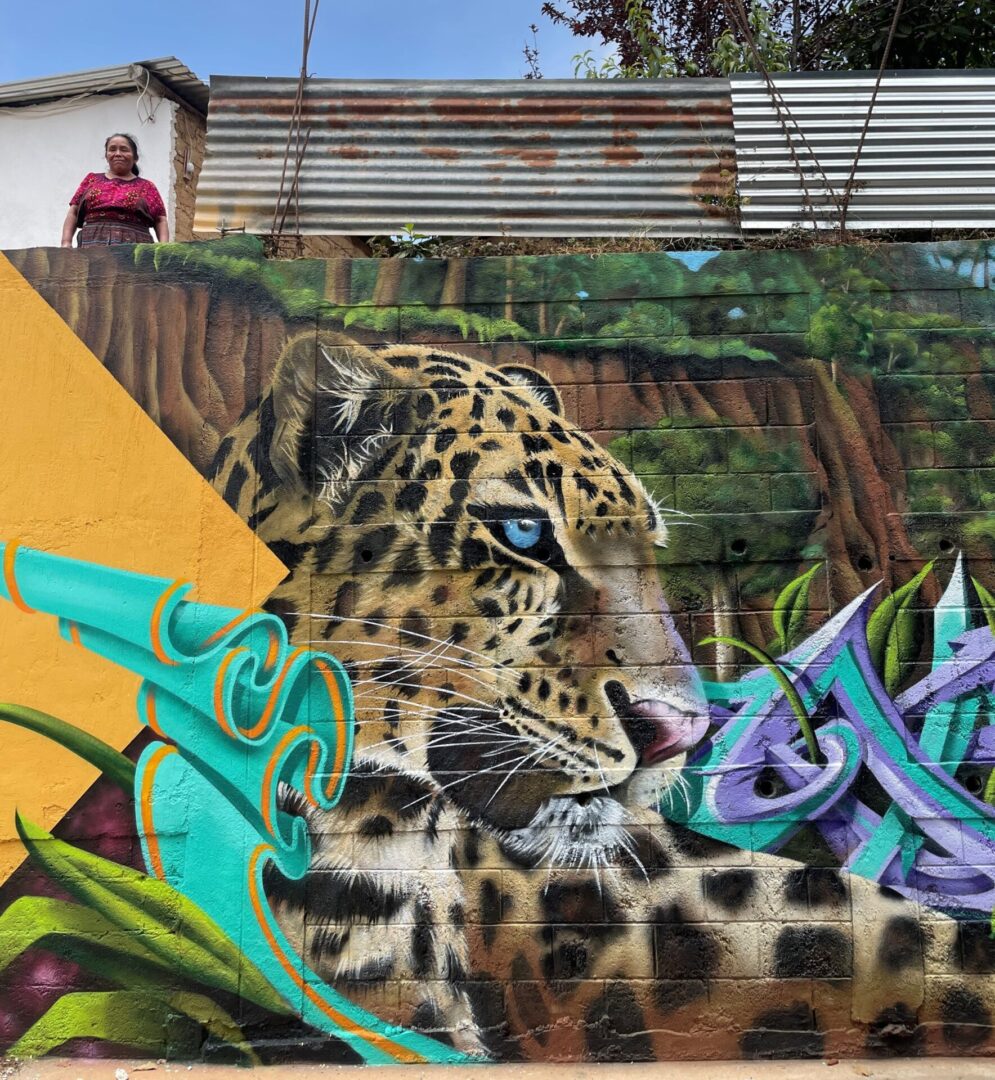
x,y
120,157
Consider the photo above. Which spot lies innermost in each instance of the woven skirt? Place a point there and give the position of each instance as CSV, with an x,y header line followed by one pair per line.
x,y
102,233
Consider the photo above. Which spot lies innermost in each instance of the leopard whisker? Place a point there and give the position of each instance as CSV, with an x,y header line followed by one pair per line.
x,y
490,665
402,650
457,673
378,684
538,754
601,771
482,742
626,842
411,706
453,783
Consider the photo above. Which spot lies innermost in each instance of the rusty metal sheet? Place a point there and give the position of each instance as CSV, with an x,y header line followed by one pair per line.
x,y
566,157
928,159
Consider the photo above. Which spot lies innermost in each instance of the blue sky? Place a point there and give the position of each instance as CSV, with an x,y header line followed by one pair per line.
x,y
409,39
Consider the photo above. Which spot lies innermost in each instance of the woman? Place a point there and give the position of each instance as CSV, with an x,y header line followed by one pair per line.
x,y
117,206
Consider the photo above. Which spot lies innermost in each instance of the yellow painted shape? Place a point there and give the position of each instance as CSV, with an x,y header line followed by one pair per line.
x,y
87,474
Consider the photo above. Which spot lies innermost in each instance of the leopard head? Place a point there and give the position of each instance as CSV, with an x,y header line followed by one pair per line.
x,y
487,574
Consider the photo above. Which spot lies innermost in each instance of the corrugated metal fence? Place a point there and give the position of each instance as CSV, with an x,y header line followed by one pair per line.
x,y
928,159
678,157
545,158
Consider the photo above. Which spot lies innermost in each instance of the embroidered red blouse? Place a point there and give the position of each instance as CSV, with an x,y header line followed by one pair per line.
x,y
128,202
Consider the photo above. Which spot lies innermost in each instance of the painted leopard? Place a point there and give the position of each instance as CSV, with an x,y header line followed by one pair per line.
x,y
495,873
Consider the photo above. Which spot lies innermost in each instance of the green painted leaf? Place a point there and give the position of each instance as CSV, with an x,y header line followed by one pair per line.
x,y
139,1020
891,631
786,685
175,929
112,763
84,936
791,610
119,1016
987,603
214,1020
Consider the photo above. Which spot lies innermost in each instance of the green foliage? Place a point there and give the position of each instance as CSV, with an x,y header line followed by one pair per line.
x,y
238,262
652,60
112,763
732,55
791,610
384,320
406,244
930,34
894,631
165,1026
987,603
170,927
839,331
136,932
988,607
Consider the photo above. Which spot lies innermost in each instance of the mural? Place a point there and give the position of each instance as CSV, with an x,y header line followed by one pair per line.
x,y
635,647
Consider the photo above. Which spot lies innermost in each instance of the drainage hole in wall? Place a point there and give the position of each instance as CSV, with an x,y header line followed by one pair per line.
x,y
974,784
738,546
865,562
765,788
366,555
946,545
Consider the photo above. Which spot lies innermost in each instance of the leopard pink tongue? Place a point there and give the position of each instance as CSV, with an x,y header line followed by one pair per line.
x,y
676,732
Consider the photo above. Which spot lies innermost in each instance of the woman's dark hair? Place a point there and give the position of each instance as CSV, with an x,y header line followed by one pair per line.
x,y
131,141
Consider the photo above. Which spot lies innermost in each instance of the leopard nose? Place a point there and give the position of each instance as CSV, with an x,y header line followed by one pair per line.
x,y
657,728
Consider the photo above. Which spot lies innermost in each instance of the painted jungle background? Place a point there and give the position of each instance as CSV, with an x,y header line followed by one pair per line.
x,y
816,428
830,405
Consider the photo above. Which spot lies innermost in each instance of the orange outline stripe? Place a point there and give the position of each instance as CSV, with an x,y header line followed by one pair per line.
x,y
399,1053
226,629
74,634
263,722
219,685
151,717
9,555
271,765
273,651
335,694
312,765
155,629
155,858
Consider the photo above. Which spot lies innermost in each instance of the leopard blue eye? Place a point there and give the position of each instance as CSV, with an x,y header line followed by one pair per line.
x,y
522,533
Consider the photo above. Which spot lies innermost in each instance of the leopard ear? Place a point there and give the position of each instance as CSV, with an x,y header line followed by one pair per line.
x,y
329,396
536,383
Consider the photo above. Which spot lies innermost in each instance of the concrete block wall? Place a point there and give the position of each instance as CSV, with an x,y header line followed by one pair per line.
x,y
662,586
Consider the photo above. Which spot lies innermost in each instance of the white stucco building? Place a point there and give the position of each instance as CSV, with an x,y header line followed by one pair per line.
x,y
52,133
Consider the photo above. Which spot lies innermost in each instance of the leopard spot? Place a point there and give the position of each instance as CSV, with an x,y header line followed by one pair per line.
x,y
815,886
615,1027
783,1033
682,950
896,1032
900,946
376,827
422,940
528,999
813,952
573,902
429,1019
731,890
967,1021
490,910
975,949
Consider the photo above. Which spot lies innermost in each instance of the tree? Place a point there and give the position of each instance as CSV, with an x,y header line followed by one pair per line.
x,y
653,38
